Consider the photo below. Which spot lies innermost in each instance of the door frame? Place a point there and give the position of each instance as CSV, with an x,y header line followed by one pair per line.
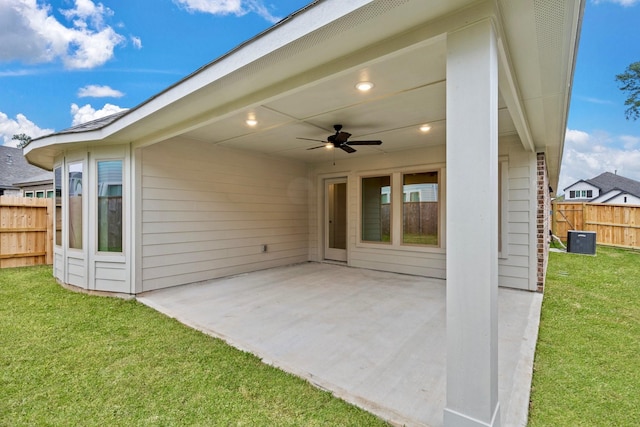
x,y
333,254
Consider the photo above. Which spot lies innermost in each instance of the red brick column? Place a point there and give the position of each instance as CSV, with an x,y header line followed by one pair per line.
x,y
542,220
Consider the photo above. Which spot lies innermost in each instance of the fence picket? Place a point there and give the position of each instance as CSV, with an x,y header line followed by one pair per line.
x,y
615,225
26,230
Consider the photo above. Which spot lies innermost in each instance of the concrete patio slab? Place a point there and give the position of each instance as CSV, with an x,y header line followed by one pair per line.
x,y
375,339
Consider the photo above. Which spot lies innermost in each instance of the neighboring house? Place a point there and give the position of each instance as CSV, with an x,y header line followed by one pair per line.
x,y
605,188
37,186
216,180
18,177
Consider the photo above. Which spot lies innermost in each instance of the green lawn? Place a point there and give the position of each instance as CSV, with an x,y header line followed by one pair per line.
x,y
71,359
587,363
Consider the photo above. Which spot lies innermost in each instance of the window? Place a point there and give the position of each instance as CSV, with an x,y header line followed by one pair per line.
x,y
420,209
110,206
49,194
28,194
57,185
376,214
75,205
581,194
40,194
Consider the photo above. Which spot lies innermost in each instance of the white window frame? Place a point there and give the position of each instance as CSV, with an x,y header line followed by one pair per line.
x,y
397,198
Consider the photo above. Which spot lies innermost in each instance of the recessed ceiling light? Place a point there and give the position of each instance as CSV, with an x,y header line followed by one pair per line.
x,y
364,86
425,128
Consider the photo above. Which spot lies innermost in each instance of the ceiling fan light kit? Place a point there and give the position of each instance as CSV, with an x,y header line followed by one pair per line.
x,y
341,140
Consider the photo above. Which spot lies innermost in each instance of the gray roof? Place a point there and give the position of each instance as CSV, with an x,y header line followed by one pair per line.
x,y
14,168
94,124
43,178
609,181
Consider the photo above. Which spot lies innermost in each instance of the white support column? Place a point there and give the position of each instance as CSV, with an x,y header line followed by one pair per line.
x,y
472,227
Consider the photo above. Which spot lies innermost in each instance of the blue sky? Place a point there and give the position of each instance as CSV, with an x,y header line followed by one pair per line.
x,y
63,62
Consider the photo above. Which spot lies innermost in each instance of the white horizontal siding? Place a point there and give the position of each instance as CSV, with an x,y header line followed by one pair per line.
x,y
76,271
515,268
207,211
58,264
111,277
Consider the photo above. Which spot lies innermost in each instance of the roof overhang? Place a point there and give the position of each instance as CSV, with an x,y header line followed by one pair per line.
x,y
297,79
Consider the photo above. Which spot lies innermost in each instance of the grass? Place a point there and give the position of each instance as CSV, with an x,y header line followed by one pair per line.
x,y
587,363
73,359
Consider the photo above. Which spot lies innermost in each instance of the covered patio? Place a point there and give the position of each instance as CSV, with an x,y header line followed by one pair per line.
x,y
375,339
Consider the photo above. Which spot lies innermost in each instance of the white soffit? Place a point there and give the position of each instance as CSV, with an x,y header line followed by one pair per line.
x,y
300,74
541,38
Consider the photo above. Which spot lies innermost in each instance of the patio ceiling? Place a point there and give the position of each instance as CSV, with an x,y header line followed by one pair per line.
x,y
392,111
298,80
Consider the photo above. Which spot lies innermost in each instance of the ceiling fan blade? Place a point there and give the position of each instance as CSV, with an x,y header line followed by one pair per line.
x,y
341,137
309,139
315,148
346,148
364,142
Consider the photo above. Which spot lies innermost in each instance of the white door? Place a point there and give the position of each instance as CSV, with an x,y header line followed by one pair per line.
x,y
335,219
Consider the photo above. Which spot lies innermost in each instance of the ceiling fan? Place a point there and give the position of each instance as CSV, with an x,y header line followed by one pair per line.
x,y
340,140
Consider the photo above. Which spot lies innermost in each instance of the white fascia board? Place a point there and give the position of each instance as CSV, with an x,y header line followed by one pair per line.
x,y
41,151
604,198
307,20
511,95
581,185
314,17
578,17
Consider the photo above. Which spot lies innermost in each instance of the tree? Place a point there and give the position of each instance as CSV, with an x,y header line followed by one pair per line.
x,y
629,82
23,138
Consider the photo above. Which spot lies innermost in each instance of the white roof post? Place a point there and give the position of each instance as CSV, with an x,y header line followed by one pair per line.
x,y
472,227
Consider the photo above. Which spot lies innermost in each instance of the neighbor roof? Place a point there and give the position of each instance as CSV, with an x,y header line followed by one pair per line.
x,y
14,168
608,181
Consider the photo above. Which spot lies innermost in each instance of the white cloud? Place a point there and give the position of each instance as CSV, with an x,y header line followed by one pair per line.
x,y
95,91
229,7
137,42
630,141
10,127
87,113
596,100
30,33
588,155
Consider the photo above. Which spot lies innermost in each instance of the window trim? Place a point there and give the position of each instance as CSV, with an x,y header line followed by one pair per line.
x,y
56,212
439,201
396,212
391,213
83,203
96,198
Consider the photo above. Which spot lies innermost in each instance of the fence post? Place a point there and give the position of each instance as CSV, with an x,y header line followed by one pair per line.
x,y
49,242
554,220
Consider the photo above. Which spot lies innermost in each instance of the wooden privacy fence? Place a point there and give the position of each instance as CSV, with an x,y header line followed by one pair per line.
x,y
26,231
615,225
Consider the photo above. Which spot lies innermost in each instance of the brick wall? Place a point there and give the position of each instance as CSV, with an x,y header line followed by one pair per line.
x,y
542,220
